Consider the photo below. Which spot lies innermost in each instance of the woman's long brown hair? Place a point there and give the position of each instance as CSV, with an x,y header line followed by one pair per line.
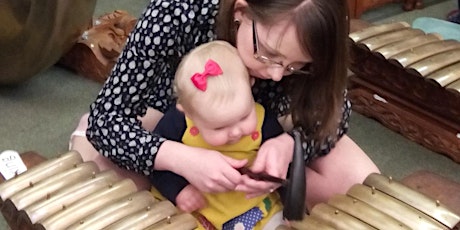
x,y
316,101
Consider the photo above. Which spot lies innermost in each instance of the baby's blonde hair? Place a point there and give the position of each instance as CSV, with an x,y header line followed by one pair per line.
x,y
234,80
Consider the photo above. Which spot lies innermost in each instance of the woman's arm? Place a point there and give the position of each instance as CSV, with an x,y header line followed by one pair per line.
x,y
217,173
143,78
275,155
270,95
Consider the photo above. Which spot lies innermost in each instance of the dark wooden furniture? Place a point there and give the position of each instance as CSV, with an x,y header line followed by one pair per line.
x,y
406,97
35,34
357,7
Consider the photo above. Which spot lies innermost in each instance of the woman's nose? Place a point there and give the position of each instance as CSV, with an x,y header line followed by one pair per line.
x,y
275,73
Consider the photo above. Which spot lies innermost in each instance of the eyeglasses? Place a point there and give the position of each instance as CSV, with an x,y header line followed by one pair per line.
x,y
266,60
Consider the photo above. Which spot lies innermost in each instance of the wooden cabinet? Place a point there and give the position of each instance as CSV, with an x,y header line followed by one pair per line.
x,y
357,7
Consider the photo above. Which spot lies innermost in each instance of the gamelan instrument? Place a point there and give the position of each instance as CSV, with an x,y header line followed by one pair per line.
x,y
67,193
379,203
409,81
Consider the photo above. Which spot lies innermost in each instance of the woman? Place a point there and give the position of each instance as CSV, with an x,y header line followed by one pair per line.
x,y
296,52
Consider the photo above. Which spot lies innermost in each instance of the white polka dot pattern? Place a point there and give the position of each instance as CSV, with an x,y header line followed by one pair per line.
x,y
244,221
143,78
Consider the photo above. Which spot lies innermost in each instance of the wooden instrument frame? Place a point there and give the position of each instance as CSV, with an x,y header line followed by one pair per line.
x,y
45,208
67,193
415,106
38,173
141,200
367,206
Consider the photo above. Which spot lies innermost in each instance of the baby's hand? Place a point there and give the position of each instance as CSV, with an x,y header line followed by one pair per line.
x,y
210,171
190,199
272,158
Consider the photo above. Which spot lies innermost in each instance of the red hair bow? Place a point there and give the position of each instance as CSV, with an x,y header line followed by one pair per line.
x,y
211,68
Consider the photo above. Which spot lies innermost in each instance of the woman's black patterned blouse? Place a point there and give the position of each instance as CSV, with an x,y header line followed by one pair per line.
x,y
143,78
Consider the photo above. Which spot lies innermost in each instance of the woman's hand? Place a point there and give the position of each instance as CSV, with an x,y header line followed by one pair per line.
x,y
272,158
207,170
190,199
